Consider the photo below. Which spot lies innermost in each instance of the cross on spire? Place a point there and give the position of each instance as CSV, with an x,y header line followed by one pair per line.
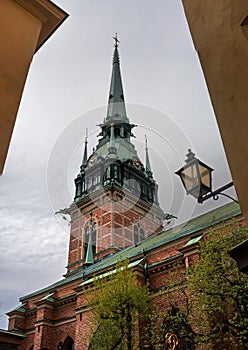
x,y
116,40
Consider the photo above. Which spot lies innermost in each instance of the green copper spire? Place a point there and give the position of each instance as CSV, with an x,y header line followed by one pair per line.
x,y
148,165
89,259
85,157
116,102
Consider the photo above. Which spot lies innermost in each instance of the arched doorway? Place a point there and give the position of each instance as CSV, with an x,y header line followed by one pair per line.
x,y
68,344
176,322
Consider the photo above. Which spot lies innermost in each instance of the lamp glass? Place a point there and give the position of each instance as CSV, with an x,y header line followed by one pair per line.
x,y
190,177
205,175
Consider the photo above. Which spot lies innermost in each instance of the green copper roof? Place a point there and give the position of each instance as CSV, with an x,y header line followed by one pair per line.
x,y
201,222
193,241
125,150
21,308
116,102
130,265
49,297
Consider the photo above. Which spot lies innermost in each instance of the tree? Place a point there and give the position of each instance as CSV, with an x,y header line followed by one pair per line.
x,y
119,302
170,311
218,292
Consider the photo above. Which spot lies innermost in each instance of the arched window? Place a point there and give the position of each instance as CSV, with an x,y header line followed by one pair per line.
x,y
107,174
138,233
89,229
176,322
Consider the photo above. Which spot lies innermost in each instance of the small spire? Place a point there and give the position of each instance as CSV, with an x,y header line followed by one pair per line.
x,y
112,149
85,157
148,165
89,259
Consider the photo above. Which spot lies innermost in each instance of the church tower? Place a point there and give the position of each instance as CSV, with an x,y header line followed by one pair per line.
x,y
116,202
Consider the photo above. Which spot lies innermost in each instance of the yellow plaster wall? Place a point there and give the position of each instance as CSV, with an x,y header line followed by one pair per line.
x,y
19,32
222,45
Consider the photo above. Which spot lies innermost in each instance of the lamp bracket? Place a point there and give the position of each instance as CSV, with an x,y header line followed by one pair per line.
x,y
216,193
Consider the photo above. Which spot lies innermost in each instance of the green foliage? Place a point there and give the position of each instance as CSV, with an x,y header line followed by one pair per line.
x,y
118,301
207,305
219,292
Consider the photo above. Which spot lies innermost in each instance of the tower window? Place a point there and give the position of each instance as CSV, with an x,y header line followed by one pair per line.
x,y
78,189
150,194
90,229
138,233
89,182
107,173
117,132
115,170
94,181
112,172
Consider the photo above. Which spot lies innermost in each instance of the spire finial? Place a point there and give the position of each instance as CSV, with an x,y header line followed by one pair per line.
x,y
116,40
148,165
146,148
85,157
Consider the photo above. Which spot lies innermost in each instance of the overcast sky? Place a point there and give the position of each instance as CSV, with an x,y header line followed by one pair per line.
x,y
66,91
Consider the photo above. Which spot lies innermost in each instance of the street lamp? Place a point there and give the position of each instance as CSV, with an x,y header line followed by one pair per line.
x,y
197,180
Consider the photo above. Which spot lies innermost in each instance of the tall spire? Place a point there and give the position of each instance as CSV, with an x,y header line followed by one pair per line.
x,y
85,157
148,165
116,102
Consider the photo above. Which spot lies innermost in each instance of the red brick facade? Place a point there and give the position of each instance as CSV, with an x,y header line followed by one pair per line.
x,y
115,215
58,315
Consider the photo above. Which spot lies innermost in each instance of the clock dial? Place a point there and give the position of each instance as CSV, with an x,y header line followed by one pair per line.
x,y
137,163
92,160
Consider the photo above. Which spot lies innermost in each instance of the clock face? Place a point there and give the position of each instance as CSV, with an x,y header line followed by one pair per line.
x,y
92,160
137,163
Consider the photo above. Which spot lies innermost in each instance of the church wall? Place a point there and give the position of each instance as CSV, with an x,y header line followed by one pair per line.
x,y
115,225
69,316
84,329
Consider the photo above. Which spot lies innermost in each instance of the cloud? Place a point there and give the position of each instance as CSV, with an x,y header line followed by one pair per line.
x,y
69,76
